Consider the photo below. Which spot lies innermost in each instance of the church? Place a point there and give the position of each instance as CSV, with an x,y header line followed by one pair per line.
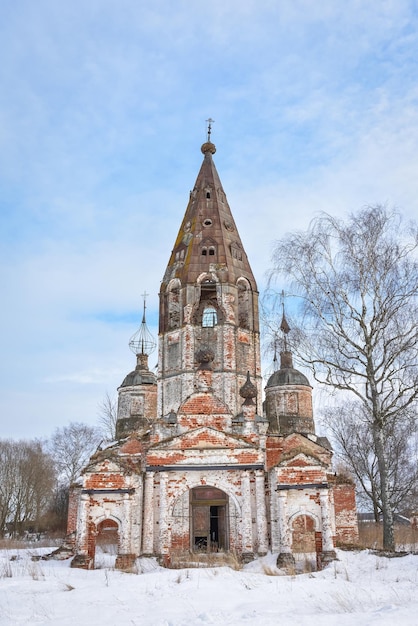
x,y
202,467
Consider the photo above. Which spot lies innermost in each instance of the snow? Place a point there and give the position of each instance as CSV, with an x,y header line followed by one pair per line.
x,y
360,588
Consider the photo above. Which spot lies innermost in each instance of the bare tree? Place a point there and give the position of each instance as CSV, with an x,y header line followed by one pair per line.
x,y
358,282
71,447
108,415
7,483
26,484
351,431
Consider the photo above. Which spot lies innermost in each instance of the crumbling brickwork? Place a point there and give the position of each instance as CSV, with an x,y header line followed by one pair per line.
x,y
199,465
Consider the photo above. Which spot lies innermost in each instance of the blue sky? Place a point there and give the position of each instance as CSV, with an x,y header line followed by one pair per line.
x,y
102,113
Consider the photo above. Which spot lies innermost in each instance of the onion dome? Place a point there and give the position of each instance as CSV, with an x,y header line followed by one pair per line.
x,y
287,374
142,343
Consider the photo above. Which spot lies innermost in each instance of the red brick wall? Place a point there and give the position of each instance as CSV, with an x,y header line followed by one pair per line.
x,y
283,448
345,513
73,509
150,401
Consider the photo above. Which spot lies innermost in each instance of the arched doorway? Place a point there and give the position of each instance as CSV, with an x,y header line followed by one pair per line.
x,y
107,538
303,534
209,520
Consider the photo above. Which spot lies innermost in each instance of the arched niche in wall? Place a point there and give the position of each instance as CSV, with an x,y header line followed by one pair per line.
x,y
303,528
173,304
245,313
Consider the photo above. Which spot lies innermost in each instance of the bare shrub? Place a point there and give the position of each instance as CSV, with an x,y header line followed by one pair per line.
x,y
6,570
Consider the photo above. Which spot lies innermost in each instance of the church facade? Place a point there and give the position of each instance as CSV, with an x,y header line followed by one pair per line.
x,y
201,464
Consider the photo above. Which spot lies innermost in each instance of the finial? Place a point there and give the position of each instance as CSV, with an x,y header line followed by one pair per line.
x,y
144,295
275,352
286,360
284,326
142,342
248,391
210,121
208,146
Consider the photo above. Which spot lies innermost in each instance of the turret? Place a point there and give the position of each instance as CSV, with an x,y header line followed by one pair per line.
x,y
288,402
137,401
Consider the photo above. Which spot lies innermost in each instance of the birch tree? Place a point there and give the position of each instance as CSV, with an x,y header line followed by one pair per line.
x,y
351,431
357,282
108,415
71,447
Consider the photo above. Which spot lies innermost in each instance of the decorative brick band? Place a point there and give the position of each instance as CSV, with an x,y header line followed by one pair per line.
x,y
200,468
90,492
303,486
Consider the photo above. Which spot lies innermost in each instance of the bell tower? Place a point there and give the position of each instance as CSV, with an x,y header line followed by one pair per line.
x,y
208,300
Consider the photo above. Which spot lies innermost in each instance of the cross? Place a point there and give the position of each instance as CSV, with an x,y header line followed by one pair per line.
x,y
144,295
210,121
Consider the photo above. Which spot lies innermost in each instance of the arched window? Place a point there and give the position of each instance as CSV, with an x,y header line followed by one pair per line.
x,y
244,309
174,304
209,317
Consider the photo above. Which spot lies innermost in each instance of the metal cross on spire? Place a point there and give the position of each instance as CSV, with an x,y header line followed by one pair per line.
x,y
142,342
144,295
210,121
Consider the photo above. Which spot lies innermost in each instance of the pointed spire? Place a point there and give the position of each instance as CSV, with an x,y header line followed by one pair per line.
x,y
208,236
142,343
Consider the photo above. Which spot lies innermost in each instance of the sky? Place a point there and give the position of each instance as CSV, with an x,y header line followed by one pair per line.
x,y
102,114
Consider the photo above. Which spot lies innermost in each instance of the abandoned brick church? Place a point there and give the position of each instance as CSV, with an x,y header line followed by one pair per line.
x,y
201,464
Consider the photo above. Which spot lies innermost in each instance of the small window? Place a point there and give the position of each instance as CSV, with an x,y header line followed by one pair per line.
x,y
209,317
207,222
204,251
211,251
208,194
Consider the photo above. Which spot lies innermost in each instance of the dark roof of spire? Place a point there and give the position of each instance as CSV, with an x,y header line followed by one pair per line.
x,y
208,226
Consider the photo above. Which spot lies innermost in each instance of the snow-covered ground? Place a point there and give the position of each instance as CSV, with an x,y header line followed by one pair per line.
x,y
358,589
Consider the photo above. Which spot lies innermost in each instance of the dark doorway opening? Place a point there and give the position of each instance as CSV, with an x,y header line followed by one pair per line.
x,y
209,532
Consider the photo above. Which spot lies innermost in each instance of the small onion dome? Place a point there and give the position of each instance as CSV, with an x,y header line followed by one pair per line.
x,y
141,374
208,146
248,390
139,377
287,376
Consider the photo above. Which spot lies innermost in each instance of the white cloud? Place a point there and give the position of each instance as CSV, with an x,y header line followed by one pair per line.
x,y
102,110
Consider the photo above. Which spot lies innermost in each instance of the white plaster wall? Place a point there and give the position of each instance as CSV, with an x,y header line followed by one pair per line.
x,y
179,485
